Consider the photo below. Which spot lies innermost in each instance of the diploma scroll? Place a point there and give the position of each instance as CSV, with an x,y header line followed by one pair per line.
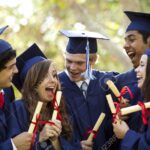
x,y
96,127
56,143
114,89
132,109
34,119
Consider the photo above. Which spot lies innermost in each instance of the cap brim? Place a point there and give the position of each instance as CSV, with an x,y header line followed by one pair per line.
x,y
83,34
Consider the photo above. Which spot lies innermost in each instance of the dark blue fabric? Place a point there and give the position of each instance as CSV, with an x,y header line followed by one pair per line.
x,y
85,112
19,122
4,46
147,52
5,143
139,21
136,141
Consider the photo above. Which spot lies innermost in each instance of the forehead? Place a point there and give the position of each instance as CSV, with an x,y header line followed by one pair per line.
x,y
132,33
52,68
10,62
144,58
75,57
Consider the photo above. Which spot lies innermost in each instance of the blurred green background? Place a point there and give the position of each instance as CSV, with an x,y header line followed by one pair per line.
x,y
39,21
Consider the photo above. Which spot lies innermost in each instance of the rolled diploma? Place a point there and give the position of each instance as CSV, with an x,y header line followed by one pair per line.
x,y
131,109
56,143
37,111
112,106
114,89
58,98
111,103
97,125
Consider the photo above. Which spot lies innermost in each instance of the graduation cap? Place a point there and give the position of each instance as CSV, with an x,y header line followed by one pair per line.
x,y
83,42
24,62
139,21
4,46
3,29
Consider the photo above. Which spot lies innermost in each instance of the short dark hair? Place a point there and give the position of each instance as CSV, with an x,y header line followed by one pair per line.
x,y
145,35
5,57
146,85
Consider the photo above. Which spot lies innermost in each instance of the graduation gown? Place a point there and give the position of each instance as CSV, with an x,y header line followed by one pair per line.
x,y
5,142
136,140
129,79
19,122
85,111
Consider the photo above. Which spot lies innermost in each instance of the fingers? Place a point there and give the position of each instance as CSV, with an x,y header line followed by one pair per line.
x,y
86,145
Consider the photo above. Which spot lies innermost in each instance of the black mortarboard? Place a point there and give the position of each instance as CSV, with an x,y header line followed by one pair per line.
x,y
3,29
4,46
24,62
139,21
78,41
83,42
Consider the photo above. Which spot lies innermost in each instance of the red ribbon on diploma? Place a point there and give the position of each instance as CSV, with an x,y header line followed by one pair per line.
x,y
125,90
56,107
38,122
145,112
117,111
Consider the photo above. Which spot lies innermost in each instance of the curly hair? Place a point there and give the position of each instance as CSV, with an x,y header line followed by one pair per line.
x,y
33,78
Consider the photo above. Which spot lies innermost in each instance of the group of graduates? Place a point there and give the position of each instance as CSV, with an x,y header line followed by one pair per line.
x,y
83,98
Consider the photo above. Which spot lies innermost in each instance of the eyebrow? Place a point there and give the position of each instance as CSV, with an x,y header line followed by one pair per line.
x,y
129,36
11,65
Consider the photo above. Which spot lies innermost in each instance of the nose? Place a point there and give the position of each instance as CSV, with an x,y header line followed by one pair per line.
x,y
137,70
15,70
126,46
51,78
73,66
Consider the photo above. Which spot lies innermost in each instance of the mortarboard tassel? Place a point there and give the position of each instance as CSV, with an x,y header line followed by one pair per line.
x,y
88,72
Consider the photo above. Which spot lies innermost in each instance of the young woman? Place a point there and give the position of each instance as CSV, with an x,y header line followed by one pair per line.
x,y
40,83
137,140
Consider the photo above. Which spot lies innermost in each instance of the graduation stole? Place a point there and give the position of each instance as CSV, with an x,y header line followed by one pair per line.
x,y
1,100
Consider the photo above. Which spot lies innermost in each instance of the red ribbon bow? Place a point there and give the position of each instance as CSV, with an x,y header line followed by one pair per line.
x,y
125,90
37,123
145,112
56,107
117,111
1,100
91,131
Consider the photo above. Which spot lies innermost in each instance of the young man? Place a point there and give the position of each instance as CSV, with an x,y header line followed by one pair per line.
x,y
85,97
137,40
7,70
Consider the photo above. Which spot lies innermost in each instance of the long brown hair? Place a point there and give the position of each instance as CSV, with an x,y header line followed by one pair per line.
x,y
146,86
33,78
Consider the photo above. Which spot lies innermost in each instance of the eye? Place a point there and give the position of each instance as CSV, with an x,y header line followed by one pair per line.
x,y
55,75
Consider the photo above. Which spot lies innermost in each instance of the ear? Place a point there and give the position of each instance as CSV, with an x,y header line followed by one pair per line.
x,y
94,59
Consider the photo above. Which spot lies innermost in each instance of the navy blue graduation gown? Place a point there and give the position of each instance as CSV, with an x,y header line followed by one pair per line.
x,y
19,122
5,142
85,112
136,140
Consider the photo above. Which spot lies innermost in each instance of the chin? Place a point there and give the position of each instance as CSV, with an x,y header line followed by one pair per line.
x,y
140,85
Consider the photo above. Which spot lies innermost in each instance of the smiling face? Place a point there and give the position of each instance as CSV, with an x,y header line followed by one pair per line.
x,y
141,70
47,87
134,46
75,65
